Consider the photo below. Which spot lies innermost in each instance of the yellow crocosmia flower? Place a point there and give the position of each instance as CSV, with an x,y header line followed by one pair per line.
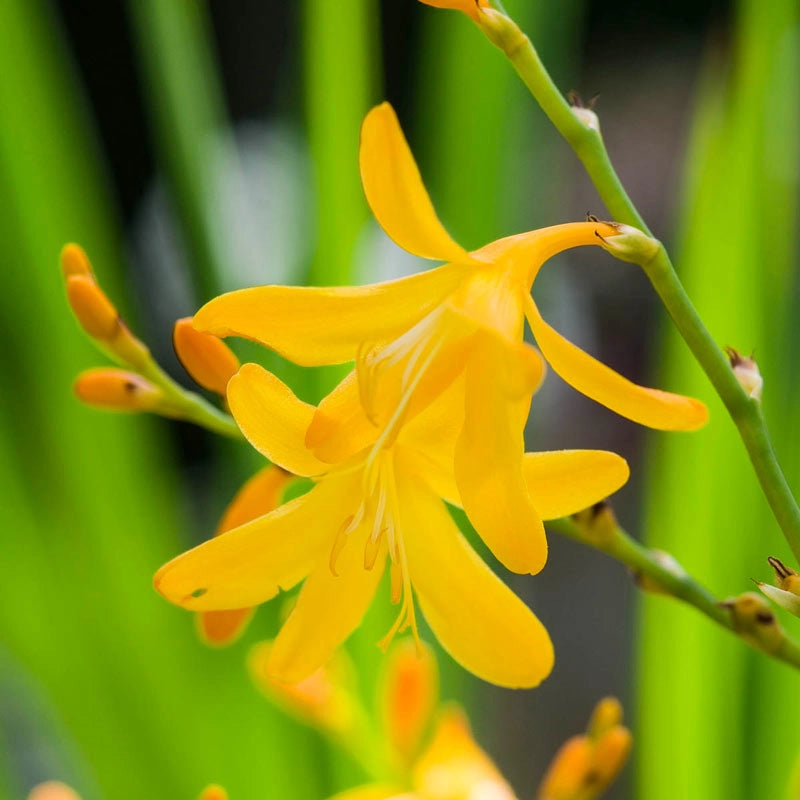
x,y
381,505
260,495
412,338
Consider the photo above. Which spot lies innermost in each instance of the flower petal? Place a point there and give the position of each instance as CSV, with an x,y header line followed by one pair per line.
x,y
651,407
477,618
339,427
373,792
453,766
564,482
313,326
251,563
488,455
273,419
395,191
329,608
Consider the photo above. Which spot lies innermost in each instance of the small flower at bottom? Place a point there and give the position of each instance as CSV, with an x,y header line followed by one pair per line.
x,y
587,765
380,506
53,790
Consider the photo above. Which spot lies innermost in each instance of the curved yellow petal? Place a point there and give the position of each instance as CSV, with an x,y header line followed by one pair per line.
x,y
476,617
329,608
488,456
339,427
563,482
454,766
273,419
313,326
395,192
650,407
251,563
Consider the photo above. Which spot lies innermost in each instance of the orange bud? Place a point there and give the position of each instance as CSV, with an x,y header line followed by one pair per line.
x,y
409,692
52,790
221,628
74,261
323,699
205,357
566,776
609,757
213,792
470,7
94,311
117,390
607,713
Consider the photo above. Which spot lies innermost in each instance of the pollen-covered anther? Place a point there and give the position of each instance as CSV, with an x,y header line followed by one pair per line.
x,y
118,390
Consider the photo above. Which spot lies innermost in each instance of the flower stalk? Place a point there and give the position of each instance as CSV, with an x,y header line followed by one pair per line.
x,y
587,142
660,573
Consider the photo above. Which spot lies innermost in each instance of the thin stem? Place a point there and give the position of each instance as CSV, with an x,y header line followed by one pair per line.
x,y
190,406
671,580
588,145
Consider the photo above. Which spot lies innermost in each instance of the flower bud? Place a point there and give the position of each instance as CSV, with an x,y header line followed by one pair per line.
x,y
609,757
668,562
747,373
565,777
53,790
787,592
93,310
213,792
754,621
598,524
324,699
409,691
630,244
607,713
209,361
117,390
74,261
471,8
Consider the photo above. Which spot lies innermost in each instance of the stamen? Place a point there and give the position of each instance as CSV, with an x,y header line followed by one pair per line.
x,y
396,575
339,543
371,550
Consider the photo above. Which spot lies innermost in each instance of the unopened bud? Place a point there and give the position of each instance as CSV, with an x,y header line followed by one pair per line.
x,y
754,621
213,792
585,766
53,790
93,310
584,112
471,8
117,390
607,714
747,373
668,562
565,777
630,244
323,700
74,261
787,592
409,691
598,524
205,357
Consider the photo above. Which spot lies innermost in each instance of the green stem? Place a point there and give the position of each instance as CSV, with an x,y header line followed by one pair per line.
x,y
587,142
190,406
670,580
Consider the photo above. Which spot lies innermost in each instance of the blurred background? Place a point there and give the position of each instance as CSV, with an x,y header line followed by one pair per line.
x,y
194,148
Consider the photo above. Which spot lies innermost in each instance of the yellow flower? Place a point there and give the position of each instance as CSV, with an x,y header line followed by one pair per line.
x,y
380,504
413,337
